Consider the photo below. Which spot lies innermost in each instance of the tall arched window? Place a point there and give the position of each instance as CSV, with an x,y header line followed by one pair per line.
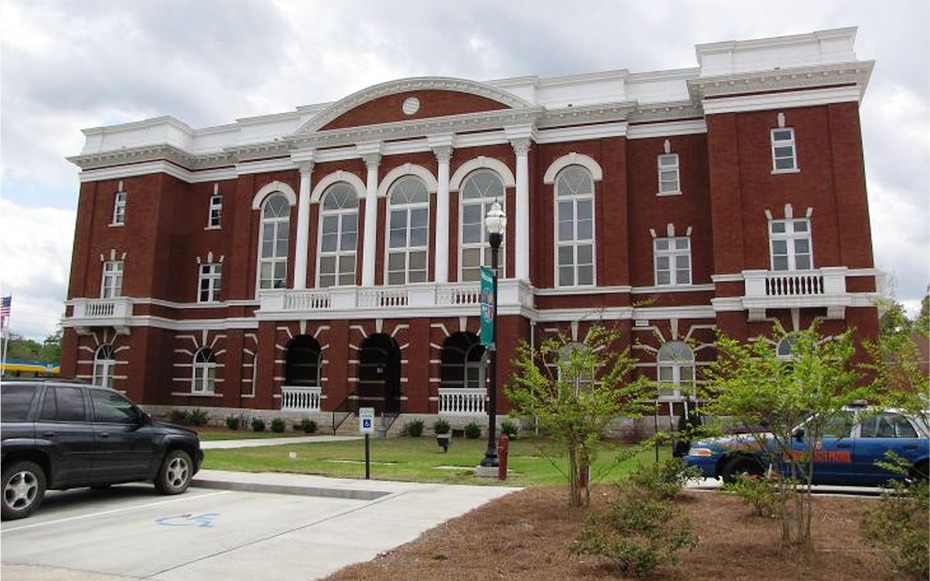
x,y
408,231
676,366
574,224
272,251
104,363
338,236
479,191
204,377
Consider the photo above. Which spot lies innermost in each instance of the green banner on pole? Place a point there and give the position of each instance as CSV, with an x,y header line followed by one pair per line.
x,y
488,304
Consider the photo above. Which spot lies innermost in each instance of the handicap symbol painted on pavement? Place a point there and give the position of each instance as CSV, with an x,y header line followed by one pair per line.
x,y
204,520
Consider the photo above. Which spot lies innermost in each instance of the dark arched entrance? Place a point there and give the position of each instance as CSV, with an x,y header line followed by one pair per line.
x,y
379,374
462,362
302,362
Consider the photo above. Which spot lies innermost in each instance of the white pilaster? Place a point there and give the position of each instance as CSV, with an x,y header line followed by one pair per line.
x,y
522,233
371,154
303,226
443,155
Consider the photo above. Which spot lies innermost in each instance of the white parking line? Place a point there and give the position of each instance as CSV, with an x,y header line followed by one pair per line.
x,y
109,512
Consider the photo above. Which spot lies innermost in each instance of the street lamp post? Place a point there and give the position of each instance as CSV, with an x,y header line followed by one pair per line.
x,y
495,223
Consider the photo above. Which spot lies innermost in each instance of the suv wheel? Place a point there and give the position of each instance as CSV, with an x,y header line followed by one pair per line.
x,y
739,466
175,474
23,489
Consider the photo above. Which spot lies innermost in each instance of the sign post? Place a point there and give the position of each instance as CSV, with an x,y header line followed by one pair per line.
x,y
366,425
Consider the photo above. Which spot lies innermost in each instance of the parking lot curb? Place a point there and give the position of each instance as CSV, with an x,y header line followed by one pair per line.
x,y
343,493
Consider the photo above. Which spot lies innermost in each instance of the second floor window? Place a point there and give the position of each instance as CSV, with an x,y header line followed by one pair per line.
x,y
408,232
784,153
668,174
790,244
338,236
119,209
478,194
211,276
111,285
216,211
272,252
574,223
672,261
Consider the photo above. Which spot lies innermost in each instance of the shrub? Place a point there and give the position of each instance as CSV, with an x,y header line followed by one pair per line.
x,y
258,425
414,428
441,426
308,426
898,523
640,530
473,431
198,417
759,493
180,417
233,422
664,479
510,429
277,425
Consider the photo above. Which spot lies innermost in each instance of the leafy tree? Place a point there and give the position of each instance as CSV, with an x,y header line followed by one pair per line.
x,y
574,390
922,323
753,385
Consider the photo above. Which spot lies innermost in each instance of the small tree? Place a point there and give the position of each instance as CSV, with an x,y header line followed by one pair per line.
x,y
574,390
755,386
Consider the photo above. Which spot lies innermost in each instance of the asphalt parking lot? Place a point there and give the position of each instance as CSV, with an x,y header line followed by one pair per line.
x,y
264,526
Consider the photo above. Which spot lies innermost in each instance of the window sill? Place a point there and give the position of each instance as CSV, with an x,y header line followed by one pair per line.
x,y
191,394
212,227
665,194
116,224
783,171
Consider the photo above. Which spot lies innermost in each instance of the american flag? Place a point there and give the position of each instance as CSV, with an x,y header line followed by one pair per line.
x,y
6,304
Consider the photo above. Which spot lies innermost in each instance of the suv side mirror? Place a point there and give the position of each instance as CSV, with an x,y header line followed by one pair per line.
x,y
143,417
799,434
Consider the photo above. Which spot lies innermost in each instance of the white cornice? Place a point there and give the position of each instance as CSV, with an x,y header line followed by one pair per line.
x,y
776,80
667,129
768,102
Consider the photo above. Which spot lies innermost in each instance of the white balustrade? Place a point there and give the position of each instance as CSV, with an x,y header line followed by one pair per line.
x,y
462,401
303,399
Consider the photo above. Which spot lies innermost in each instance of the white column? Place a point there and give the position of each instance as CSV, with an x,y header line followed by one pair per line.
x,y
522,223
303,227
443,154
372,161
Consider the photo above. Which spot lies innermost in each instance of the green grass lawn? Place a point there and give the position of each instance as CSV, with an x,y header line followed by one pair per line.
x,y
531,461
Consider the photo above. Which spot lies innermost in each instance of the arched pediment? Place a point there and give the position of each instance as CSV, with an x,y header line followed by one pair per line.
x,y
409,99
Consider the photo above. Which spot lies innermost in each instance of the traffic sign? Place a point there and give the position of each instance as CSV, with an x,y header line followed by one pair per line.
x,y
366,420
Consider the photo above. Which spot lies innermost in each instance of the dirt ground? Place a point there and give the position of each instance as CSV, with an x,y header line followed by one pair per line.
x,y
525,536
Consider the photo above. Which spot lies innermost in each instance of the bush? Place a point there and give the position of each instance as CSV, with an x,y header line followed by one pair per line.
x,y
258,425
414,428
278,425
308,426
233,422
664,479
640,529
759,493
898,523
510,429
198,417
441,426
180,417
473,431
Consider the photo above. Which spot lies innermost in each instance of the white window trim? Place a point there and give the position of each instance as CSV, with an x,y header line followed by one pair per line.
x,y
261,233
219,216
215,278
338,253
111,279
104,366
574,243
672,253
784,143
486,203
202,383
119,209
676,168
790,238
387,234
676,365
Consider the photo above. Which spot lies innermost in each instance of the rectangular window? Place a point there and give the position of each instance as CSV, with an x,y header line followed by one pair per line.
x,y
210,278
784,153
668,174
111,285
216,211
119,209
672,261
790,244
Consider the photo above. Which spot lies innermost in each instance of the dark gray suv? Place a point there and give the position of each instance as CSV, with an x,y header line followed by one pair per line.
x,y
59,434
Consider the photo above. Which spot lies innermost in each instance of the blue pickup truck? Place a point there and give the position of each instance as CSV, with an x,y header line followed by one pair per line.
x,y
851,445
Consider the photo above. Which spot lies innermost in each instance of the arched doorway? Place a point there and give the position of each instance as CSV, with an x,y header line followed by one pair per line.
x,y
462,362
379,374
302,363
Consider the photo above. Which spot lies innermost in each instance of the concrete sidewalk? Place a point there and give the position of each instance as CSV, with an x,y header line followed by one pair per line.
x,y
258,442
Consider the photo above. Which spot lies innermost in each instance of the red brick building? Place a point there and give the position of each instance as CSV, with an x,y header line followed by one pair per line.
x,y
328,257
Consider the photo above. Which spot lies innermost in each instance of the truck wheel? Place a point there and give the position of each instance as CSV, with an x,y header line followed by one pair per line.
x,y
739,466
175,474
23,489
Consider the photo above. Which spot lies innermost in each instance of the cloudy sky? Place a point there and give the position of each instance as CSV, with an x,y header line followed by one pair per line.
x,y
67,65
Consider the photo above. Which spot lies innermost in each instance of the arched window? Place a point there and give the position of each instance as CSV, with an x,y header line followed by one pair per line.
x,y
272,248
785,348
204,377
104,363
479,191
573,366
574,225
408,231
676,366
462,361
338,236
